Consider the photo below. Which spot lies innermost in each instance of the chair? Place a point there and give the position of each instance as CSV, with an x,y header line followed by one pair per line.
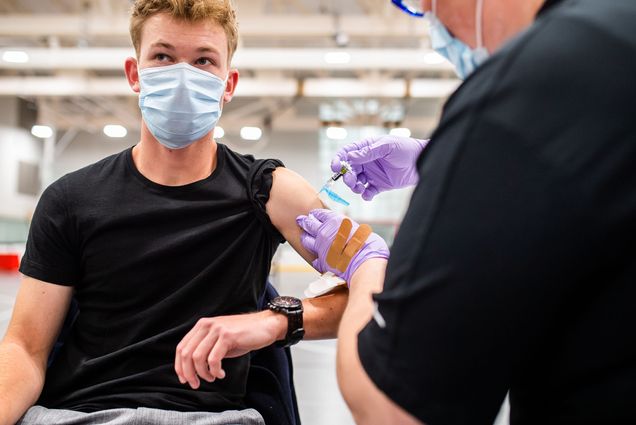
x,y
270,384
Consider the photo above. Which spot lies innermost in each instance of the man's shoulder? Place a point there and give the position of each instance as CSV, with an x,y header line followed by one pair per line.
x,y
573,38
246,164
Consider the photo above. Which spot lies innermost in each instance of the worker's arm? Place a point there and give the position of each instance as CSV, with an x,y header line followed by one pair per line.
x,y
367,403
38,315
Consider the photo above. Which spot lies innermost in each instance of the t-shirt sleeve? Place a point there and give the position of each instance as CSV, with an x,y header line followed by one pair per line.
x,y
51,250
259,186
486,255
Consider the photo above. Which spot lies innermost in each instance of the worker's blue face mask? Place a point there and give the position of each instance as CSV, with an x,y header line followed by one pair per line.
x,y
464,59
180,104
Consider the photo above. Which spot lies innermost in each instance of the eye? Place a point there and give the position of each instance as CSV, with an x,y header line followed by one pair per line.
x,y
162,57
204,62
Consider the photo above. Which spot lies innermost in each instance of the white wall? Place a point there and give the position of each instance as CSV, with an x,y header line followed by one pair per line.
x,y
88,148
16,145
299,151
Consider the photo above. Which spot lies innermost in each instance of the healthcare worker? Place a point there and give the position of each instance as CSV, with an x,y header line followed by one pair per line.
x,y
514,268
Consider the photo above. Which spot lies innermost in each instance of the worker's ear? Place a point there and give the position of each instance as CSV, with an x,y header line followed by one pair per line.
x,y
132,73
230,87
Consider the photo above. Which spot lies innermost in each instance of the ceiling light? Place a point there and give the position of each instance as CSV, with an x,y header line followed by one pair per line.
x,y
42,131
251,133
432,58
336,133
337,58
400,132
15,56
218,132
115,131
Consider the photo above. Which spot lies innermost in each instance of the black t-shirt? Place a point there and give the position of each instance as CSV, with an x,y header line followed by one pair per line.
x,y
146,262
515,266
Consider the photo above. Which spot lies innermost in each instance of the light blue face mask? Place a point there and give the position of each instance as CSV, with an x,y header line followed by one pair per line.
x,y
464,59
180,104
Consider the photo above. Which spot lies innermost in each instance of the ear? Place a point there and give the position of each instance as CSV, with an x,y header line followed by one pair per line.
x,y
132,74
230,87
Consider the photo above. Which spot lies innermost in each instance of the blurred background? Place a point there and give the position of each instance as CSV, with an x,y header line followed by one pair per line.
x,y
315,75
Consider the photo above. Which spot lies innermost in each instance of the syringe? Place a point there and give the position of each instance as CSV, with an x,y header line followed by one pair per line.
x,y
329,184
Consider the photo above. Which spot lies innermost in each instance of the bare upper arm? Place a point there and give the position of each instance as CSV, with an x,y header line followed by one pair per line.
x,y
38,315
290,196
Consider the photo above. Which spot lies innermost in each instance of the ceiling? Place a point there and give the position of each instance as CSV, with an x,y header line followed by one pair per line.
x,y
303,63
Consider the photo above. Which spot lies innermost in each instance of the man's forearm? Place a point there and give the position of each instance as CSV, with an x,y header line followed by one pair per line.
x,y
21,381
322,315
367,403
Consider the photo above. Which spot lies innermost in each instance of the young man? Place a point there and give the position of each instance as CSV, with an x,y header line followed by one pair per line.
x,y
177,231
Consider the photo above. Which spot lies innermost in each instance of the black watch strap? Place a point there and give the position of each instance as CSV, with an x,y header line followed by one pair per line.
x,y
294,313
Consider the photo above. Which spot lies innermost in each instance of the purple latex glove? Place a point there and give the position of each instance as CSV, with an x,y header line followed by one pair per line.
x,y
320,228
379,164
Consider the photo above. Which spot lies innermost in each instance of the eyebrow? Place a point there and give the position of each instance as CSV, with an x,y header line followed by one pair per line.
x,y
169,46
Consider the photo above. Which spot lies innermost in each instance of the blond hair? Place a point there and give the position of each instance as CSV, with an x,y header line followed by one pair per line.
x,y
219,11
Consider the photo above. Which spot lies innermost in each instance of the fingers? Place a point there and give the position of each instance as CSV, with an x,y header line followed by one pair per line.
x,y
318,266
344,153
310,224
355,181
350,179
369,153
309,242
323,215
200,357
178,362
183,360
216,356
369,193
336,162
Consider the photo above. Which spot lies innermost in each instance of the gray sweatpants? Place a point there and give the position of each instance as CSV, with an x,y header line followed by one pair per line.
x,y
38,415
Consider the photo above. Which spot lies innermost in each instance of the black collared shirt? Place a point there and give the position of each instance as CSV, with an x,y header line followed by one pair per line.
x,y
515,266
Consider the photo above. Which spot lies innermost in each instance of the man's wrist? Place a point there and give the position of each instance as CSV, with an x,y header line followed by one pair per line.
x,y
369,275
278,324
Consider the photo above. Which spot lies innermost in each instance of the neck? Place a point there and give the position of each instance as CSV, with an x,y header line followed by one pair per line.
x,y
504,19
174,167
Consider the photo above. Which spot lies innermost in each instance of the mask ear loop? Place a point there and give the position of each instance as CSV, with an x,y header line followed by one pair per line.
x,y
479,17
434,7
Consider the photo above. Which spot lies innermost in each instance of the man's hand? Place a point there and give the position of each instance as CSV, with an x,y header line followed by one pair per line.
x,y
379,164
200,352
320,229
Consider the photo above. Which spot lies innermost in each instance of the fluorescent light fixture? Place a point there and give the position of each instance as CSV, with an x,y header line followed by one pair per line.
x,y
432,58
15,56
251,133
42,131
400,132
115,131
337,58
218,132
336,133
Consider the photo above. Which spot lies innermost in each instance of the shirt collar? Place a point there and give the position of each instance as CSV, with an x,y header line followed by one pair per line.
x,y
547,5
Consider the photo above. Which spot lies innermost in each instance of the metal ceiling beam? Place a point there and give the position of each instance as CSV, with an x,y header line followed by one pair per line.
x,y
95,58
65,86
257,25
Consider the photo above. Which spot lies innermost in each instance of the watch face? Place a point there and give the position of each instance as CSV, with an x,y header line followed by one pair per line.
x,y
287,302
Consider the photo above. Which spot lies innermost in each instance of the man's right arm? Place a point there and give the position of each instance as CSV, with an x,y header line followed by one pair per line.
x,y
38,315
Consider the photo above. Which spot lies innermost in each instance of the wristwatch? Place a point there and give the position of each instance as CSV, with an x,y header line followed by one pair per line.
x,y
293,309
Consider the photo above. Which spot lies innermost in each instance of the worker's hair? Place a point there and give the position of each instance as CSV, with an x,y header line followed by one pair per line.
x,y
221,12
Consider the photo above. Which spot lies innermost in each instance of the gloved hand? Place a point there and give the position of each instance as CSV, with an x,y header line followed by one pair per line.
x,y
379,164
320,228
